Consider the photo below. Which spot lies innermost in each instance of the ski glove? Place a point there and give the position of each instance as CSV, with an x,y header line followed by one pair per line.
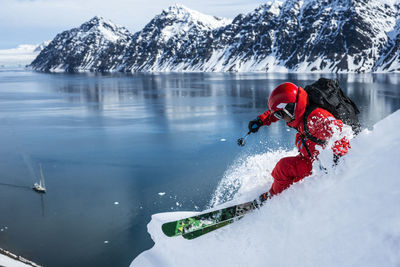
x,y
264,197
254,125
341,147
267,118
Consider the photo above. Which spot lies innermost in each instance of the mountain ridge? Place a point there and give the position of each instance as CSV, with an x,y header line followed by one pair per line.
x,y
292,36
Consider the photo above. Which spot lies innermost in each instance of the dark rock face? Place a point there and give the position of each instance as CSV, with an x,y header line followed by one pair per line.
x,y
292,35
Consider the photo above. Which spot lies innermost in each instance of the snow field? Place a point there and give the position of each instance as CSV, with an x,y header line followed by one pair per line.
x,y
348,217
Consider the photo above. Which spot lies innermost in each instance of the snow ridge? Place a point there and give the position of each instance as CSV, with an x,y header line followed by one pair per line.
x,y
279,36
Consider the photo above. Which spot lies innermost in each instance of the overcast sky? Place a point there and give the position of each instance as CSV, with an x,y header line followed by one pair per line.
x,y
34,21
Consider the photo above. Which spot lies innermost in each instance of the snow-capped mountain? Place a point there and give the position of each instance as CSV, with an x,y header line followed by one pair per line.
x,y
83,48
168,40
279,36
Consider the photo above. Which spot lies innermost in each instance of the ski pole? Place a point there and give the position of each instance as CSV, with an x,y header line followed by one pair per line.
x,y
242,141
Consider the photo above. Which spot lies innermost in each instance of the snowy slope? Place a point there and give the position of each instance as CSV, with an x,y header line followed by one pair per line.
x,y
390,59
348,217
8,262
7,259
184,20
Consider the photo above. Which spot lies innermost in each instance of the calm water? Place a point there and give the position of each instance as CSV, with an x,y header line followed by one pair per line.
x,y
109,144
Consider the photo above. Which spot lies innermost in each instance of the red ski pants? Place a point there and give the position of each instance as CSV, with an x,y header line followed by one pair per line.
x,y
288,171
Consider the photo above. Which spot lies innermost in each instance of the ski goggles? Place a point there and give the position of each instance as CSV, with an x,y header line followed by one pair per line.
x,y
288,110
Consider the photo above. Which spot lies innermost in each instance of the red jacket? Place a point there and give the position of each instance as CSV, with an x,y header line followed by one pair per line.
x,y
321,125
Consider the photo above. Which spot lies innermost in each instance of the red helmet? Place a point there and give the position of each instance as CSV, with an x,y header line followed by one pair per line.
x,y
281,96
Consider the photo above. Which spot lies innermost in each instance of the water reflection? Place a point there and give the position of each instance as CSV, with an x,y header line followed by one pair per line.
x,y
166,95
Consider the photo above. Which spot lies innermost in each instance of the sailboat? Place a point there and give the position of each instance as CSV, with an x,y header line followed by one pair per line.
x,y
40,187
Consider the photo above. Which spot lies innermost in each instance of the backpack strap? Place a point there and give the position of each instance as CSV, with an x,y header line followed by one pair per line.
x,y
306,147
309,136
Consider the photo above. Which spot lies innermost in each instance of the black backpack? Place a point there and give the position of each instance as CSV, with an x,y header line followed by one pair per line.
x,y
327,94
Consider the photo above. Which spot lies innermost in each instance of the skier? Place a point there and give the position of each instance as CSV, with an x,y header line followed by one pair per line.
x,y
289,103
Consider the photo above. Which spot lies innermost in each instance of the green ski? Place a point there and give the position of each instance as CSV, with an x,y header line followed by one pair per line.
x,y
201,224
203,231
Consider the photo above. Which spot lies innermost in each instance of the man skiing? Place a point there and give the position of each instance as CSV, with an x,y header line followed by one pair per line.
x,y
315,127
